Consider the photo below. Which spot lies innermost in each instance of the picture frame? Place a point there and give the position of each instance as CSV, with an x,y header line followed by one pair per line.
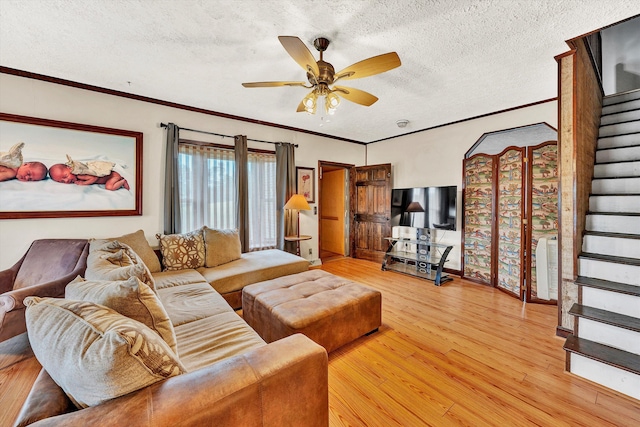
x,y
107,164
306,183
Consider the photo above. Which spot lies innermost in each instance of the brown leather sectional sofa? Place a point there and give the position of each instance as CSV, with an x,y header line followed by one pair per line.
x,y
233,377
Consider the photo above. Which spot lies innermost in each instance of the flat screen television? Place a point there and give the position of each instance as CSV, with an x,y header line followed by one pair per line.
x,y
424,207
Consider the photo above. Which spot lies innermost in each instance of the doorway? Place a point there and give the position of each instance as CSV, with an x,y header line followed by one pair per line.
x,y
333,210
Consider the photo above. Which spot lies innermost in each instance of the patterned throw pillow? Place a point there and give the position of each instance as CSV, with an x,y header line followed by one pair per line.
x,y
182,251
113,260
221,246
94,353
131,298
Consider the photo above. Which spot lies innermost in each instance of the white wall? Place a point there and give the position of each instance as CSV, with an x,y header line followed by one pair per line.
x,y
430,158
434,157
35,98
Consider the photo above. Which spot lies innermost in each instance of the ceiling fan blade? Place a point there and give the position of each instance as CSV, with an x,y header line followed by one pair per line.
x,y
300,53
355,95
273,84
369,67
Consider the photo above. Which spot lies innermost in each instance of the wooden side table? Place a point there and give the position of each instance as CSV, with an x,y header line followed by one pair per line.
x,y
297,239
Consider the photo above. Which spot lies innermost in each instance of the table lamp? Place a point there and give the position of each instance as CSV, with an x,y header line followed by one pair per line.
x,y
299,203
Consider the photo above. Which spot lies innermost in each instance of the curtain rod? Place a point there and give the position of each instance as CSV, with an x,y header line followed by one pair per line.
x,y
164,125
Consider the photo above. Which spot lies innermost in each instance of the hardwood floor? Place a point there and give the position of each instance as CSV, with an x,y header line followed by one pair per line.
x,y
327,256
460,355
457,355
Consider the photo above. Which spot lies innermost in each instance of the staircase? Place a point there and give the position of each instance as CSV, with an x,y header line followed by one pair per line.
x,y
605,344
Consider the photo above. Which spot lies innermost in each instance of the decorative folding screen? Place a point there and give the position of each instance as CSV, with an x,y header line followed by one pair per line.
x,y
510,196
510,202
543,209
478,208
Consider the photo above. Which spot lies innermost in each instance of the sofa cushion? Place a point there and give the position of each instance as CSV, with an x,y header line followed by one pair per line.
x,y
113,260
182,251
253,267
221,246
215,338
191,302
131,298
139,244
94,353
172,278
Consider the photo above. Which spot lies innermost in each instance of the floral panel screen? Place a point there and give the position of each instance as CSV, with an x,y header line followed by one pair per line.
x,y
509,210
478,175
544,201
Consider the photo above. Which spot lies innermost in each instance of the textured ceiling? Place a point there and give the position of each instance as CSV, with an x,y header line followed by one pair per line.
x,y
460,58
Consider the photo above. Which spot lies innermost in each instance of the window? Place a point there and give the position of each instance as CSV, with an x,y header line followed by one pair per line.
x,y
208,191
262,200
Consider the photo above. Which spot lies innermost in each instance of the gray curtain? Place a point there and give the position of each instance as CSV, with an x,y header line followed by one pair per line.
x,y
242,195
171,189
285,188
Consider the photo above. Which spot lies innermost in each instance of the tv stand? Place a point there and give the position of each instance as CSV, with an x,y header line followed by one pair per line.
x,y
426,261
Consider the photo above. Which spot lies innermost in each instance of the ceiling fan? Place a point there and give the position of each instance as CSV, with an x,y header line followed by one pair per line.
x,y
321,75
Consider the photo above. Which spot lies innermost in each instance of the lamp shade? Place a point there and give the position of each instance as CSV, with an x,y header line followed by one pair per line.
x,y
297,201
414,207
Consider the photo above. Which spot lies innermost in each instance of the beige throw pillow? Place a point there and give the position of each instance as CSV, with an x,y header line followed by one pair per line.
x,y
113,260
182,251
94,353
221,246
131,298
139,244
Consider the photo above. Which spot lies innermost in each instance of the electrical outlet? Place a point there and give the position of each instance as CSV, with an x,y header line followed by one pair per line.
x,y
310,251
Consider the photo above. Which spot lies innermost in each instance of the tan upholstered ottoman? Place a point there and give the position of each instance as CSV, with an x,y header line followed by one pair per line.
x,y
330,310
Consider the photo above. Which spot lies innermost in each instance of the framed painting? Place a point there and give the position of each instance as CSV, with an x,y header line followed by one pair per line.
x,y
54,169
306,183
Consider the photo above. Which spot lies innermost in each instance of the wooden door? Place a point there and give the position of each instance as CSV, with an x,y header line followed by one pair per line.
x,y
370,188
478,218
332,217
510,213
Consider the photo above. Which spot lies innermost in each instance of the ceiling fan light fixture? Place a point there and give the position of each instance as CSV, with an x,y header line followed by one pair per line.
x,y
331,103
309,102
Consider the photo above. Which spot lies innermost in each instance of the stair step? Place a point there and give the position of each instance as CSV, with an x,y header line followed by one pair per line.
x,y
612,244
607,327
619,141
620,203
621,154
613,222
619,128
617,98
623,303
607,317
616,186
617,170
617,379
616,269
614,235
610,258
603,353
620,117
633,104
608,285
